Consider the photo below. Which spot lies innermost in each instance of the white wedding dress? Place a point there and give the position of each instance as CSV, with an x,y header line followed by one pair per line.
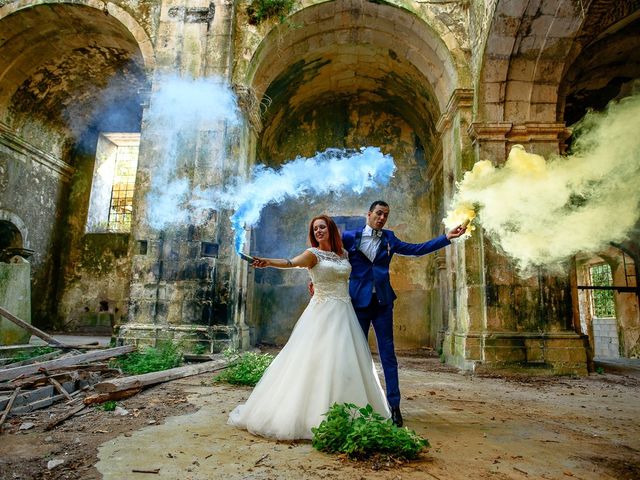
x,y
326,361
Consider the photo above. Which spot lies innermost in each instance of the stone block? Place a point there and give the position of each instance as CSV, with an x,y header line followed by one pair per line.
x,y
15,296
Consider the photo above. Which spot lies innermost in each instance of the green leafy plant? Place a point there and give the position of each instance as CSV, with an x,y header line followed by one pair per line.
x,y
244,369
260,10
108,406
600,370
360,432
200,349
150,360
34,352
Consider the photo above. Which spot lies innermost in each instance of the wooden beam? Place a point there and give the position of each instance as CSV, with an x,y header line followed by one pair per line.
x,y
106,396
146,379
64,416
11,373
9,405
30,328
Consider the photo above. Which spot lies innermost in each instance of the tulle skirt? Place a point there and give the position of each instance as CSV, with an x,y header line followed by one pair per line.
x,y
326,361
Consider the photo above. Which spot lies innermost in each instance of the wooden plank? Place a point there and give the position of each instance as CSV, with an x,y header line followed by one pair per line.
x,y
57,421
27,397
146,379
12,373
39,358
106,396
30,328
5,414
60,388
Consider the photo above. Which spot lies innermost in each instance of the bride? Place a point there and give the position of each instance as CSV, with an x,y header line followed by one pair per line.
x,y
327,358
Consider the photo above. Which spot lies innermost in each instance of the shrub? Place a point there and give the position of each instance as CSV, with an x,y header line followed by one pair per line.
x,y
150,360
361,432
34,352
245,369
260,10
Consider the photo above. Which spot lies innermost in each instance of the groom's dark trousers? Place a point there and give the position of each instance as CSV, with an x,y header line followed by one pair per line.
x,y
372,295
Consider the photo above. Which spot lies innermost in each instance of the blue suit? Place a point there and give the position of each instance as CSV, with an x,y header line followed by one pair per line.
x,y
378,308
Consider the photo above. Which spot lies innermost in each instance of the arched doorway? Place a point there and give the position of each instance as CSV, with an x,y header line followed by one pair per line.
x,y
349,76
69,72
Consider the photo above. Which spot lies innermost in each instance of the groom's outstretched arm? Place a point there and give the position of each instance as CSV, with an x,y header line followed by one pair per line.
x,y
418,249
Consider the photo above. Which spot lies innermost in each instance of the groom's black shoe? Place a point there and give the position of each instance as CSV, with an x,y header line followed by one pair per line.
x,y
396,416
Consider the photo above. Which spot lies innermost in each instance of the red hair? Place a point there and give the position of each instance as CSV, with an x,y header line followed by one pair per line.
x,y
335,239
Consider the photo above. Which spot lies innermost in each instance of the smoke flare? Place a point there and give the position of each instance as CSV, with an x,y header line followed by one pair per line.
x,y
334,170
540,212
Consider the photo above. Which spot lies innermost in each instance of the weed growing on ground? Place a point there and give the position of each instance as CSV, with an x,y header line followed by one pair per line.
x,y
244,369
150,360
360,432
34,352
108,406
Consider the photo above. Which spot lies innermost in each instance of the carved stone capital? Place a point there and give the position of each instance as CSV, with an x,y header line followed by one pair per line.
x,y
461,98
249,105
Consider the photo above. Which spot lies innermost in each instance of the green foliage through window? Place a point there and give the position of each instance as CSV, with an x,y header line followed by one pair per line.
x,y
361,432
603,301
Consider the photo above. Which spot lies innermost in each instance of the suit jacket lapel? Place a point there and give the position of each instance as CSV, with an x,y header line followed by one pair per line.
x,y
358,239
383,249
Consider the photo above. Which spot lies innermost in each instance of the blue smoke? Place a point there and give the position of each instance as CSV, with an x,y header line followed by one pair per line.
x,y
179,109
332,171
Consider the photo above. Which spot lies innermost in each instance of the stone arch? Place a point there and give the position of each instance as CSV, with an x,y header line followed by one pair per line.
x,y
12,223
604,61
340,47
136,30
439,58
84,59
524,58
350,74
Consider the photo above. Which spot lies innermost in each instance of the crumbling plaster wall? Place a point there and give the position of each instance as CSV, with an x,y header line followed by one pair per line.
x,y
50,103
31,190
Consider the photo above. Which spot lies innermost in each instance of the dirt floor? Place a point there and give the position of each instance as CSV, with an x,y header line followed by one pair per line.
x,y
479,427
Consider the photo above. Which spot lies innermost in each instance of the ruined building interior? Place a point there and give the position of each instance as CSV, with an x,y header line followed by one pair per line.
x,y
437,84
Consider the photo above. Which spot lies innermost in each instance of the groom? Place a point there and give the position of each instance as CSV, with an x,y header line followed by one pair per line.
x,y
370,252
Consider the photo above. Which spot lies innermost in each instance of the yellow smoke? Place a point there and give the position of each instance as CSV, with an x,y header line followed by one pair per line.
x,y
543,212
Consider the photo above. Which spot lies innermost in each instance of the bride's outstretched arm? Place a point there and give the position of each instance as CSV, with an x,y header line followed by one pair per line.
x,y
305,260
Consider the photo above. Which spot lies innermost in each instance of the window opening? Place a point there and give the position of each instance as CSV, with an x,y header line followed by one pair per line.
x,y
111,203
602,304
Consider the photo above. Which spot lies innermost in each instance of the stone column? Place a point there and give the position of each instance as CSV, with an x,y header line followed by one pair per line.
x,y
187,284
504,320
462,281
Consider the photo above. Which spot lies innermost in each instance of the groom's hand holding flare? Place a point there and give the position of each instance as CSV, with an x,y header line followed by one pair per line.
x,y
458,231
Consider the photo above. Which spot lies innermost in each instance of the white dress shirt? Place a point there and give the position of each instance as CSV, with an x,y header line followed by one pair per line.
x,y
370,243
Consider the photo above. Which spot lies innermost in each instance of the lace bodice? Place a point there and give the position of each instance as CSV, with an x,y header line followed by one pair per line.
x,y
330,276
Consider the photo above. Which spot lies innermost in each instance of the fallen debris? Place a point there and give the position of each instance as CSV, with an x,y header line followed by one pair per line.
x,y
9,405
147,379
137,470
30,328
13,373
57,421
